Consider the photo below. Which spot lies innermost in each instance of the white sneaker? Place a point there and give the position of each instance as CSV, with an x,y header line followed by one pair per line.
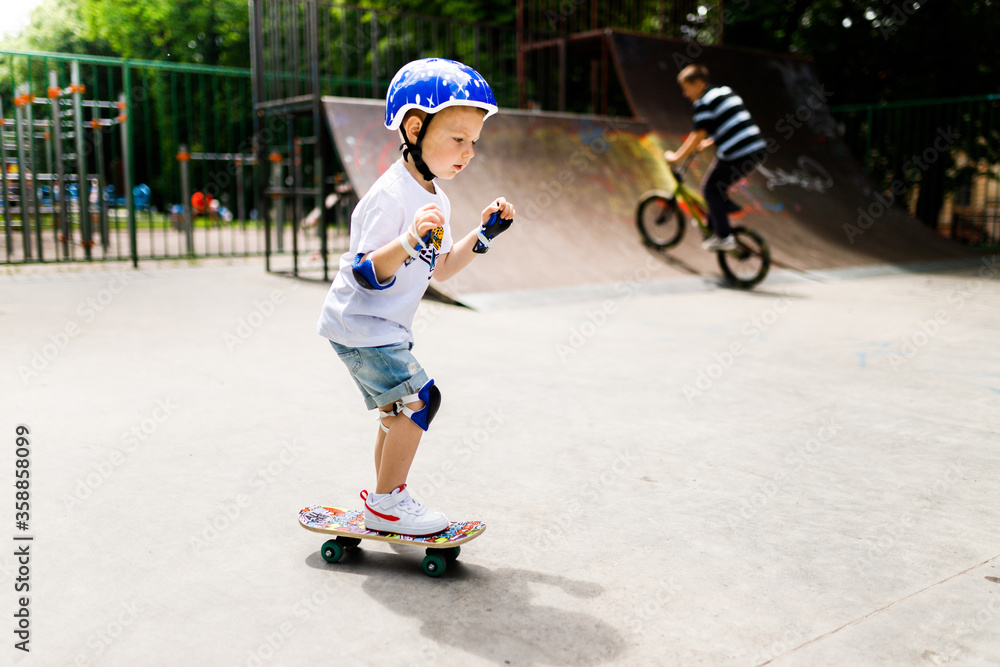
x,y
714,244
397,512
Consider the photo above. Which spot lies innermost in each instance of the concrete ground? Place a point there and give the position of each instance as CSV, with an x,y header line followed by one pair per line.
x,y
672,474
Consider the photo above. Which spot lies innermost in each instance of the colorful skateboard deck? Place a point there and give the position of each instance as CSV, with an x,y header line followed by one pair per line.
x,y
349,527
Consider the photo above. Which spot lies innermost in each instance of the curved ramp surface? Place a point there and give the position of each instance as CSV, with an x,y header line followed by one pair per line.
x,y
574,180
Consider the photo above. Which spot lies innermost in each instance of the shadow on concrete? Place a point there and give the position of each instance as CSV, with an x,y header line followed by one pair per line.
x,y
673,260
490,613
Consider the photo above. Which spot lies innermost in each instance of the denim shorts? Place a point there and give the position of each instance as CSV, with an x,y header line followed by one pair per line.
x,y
384,374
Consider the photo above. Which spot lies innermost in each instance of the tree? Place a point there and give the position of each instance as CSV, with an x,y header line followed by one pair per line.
x,y
58,26
879,50
498,12
210,32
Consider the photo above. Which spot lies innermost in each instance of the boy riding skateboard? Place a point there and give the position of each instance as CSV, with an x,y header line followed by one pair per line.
x,y
400,238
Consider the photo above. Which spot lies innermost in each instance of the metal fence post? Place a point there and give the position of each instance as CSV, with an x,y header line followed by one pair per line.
x,y
240,204
258,92
868,140
125,120
3,175
184,158
297,205
374,43
83,185
65,233
22,168
29,138
279,199
102,208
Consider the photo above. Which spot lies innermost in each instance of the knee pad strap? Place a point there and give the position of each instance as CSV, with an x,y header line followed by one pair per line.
x,y
431,396
384,414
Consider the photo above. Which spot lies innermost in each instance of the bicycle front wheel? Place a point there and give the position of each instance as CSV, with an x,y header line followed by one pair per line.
x,y
660,220
748,264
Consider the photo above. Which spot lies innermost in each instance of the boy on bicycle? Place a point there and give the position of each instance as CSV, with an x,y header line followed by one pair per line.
x,y
720,119
400,238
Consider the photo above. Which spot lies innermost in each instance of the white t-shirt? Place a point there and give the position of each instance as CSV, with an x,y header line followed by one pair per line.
x,y
359,317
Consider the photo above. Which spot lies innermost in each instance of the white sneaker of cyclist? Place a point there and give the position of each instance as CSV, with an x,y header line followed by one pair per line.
x,y
714,244
398,512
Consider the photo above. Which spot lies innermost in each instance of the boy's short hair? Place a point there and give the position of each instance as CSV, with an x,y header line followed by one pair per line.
x,y
419,113
422,115
693,73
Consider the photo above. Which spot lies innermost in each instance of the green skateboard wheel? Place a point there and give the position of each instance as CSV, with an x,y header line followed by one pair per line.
x,y
434,565
332,552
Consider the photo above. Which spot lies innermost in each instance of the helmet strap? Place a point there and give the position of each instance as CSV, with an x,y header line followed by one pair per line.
x,y
415,150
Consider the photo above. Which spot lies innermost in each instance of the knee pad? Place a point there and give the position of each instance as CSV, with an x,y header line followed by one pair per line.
x,y
364,273
431,396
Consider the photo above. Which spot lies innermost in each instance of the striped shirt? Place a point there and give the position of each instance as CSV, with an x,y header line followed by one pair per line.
x,y
721,113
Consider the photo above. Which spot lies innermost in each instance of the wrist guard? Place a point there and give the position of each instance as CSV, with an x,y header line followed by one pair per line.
x,y
489,231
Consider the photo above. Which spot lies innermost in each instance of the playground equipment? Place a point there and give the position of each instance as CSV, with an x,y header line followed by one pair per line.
x,y
144,111
62,191
233,165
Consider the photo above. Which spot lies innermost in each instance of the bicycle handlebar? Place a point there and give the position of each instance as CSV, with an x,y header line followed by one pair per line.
x,y
679,171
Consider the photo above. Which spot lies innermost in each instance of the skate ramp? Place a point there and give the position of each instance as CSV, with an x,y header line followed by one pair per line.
x,y
574,180
810,198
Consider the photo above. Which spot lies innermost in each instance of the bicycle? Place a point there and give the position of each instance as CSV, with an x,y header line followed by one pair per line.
x,y
660,218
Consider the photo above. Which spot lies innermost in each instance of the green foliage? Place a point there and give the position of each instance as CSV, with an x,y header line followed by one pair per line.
x,y
865,50
210,32
58,26
497,12
875,50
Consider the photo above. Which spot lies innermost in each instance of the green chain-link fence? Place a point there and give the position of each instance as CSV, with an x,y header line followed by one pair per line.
x,y
94,155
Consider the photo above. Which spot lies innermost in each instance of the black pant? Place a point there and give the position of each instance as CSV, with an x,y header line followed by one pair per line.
x,y
720,176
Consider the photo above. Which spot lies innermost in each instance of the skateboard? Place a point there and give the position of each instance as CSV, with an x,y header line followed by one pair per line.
x,y
349,527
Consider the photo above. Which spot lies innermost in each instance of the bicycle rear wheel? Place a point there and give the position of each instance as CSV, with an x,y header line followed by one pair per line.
x,y
660,220
749,263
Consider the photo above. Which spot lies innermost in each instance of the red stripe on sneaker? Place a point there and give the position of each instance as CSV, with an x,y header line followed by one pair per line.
x,y
387,517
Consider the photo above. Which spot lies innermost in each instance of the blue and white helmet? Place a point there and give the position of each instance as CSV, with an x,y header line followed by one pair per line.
x,y
433,84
